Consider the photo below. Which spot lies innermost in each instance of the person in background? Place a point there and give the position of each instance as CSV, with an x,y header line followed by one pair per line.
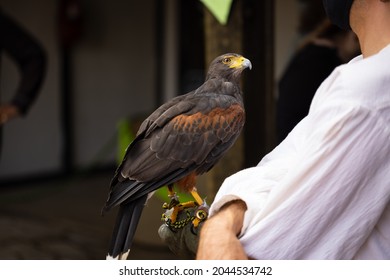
x,y
323,50
30,57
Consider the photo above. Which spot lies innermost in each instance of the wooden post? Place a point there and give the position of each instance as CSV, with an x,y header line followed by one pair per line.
x,y
249,32
220,39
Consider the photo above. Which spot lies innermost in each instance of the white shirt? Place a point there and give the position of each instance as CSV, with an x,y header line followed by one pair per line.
x,y
324,192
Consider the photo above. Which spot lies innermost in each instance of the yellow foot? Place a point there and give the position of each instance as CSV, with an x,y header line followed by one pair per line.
x,y
174,207
180,207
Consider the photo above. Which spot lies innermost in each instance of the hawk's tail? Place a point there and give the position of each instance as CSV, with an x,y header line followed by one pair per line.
x,y
126,224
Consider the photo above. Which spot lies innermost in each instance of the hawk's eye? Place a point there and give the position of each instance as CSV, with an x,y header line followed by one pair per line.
x,y
226,60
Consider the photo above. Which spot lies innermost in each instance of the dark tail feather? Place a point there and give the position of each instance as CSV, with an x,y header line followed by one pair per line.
x,y
126,224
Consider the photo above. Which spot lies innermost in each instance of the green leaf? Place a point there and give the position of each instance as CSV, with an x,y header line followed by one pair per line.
x,y
219,8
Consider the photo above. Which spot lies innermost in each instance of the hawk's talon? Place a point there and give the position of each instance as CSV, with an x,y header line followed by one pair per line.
x,y
165,206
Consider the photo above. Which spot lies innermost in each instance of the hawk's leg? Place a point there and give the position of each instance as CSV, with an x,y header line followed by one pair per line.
x,y
174,204
196,196
202,212
173,196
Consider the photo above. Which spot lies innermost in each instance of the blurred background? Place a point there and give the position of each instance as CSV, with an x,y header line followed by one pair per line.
x,y
110,61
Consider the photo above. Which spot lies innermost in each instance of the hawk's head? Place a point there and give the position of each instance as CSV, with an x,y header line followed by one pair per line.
x,y
228,66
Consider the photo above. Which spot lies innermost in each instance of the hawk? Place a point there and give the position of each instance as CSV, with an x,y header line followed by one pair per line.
x,y
182,139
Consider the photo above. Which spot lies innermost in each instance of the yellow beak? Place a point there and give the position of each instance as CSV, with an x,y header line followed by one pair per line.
x,y
241,62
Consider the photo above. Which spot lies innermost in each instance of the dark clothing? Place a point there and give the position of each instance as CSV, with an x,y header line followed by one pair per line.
x,y
29,57
301,79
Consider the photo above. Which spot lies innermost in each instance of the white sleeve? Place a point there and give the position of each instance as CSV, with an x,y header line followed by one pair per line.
x,y
328,200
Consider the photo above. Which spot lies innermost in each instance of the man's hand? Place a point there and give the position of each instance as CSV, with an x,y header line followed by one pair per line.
x,y
8,112
218,236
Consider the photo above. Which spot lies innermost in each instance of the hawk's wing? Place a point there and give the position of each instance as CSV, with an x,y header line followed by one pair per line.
x,y
188,134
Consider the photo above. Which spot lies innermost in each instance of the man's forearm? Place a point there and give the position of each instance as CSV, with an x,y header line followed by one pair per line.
x,y
218,237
